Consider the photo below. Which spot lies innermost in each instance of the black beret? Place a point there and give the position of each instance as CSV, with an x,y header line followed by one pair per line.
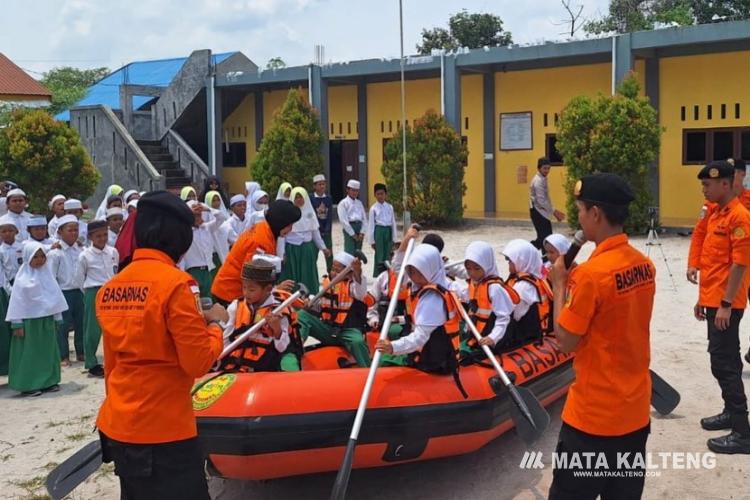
x,y
379,187
604,188
96,224
738,163
165,203
717,170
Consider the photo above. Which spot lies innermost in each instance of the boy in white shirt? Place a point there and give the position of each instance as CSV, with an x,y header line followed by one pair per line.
x,y
57,207
353,218
37,228
63,261
237,221
115,220
17,203
381,231
198,261
75,207
97,264
11,250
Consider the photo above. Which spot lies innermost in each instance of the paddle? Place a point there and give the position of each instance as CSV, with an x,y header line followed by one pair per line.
x,y
528,414
65,477
339,277
342,478
664,397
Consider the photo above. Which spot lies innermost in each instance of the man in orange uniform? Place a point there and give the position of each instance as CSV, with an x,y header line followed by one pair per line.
x,y
738,186
720,254
156,342
602,312
261,238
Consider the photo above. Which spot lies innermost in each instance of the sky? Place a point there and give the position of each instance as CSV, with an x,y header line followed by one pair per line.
x,y
41,34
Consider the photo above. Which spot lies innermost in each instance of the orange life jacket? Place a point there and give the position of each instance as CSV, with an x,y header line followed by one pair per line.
x,y
385,297
538,321
339,308
296,345
440,352
256,354
480,305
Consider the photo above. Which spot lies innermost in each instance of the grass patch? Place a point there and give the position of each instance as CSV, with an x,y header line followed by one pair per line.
x,y
37,496
6,457
77,436
49,466
30,484
105,470
51,425
64,449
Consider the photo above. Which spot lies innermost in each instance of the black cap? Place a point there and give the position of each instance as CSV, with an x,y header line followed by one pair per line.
x,y
280,214
604,188
379,187
738,163
717,170
96,224
164,201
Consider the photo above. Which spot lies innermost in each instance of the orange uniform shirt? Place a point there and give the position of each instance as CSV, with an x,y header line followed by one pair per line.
x,y
608,303
721,238
228,282
156,343
744,198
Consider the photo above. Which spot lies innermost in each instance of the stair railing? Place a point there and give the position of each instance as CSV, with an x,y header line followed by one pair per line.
x,y
188,160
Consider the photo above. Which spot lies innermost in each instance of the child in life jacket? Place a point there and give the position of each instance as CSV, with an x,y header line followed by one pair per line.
x,y
554,246
531,316
432,346
342,311
379,298
491,301
276,346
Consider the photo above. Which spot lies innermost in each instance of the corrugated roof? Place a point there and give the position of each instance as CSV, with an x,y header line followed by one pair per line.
x,y
158,73
15,81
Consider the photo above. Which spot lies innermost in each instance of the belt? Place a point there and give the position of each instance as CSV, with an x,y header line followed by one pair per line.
x,y
200,268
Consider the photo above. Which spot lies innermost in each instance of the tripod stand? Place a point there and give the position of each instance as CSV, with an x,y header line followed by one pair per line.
x,y
653,240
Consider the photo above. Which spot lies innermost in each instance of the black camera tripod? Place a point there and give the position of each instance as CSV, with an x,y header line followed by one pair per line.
x,y
653,241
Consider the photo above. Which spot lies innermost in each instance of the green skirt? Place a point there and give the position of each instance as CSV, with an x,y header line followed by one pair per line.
x,y
35,357
92,333
350,244
217,263
203,277
383,248
301,265
5,333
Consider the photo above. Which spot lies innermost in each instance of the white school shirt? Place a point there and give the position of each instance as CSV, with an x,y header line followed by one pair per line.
x,y
254,218
200,253
236,226
111,237
83,232
12,257
280,343
381,214
96,267
350,210
297,238
52,226
529,296
46,243
3,205
64,263
21,221
429,314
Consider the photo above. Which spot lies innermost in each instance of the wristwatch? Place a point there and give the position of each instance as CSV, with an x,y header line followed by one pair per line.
x,y
726,304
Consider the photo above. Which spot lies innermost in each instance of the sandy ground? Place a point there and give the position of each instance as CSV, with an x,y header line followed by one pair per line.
x,y
38,433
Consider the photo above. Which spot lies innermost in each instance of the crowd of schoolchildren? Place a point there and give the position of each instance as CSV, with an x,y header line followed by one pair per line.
x,y
53,267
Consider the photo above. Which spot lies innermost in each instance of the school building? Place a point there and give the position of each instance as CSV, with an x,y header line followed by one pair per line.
x,y
505,103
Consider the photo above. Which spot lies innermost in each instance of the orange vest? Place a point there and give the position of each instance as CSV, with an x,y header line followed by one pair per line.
x,y
227,284
257,354
440,353
385,297
543,307
480,305
156,343
339,308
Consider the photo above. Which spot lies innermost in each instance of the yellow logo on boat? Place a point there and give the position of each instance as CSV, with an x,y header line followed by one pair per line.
x,y
212,390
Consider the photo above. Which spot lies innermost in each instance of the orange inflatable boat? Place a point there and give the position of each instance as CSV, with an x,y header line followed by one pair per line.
x,y
274,424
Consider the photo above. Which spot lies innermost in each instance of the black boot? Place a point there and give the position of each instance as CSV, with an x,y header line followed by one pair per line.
x,y
717,422
738,441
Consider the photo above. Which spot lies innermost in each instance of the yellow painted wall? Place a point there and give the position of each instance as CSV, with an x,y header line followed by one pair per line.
x,y
714,79
240,127
472,108
342,113
539,91
384,105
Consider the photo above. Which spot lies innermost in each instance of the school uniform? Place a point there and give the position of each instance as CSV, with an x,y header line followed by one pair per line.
x,y
302,245
379,296
35,306
234,227
95,267
11,257
353,220
323,206
381,232
198,260
111,237
63,263
5,331
52,226
21,221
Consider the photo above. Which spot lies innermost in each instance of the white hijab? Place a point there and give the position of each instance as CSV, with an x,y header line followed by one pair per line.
x,y
524,256
559,242
309,219
35,293
426,259
481,253
208,199
101,212
250,188
254,205
282,189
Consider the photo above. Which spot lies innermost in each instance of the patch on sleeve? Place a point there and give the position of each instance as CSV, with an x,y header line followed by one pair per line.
x,y
568,294
196,291
739,232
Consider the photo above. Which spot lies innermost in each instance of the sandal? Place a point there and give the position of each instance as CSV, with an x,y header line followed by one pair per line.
x,y
31,394
52,388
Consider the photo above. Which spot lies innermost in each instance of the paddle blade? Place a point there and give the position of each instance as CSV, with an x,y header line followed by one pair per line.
x,y
664,397
342,478
65,477
528,414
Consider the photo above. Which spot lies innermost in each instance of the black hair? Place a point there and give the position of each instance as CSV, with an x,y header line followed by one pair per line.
x,y
739,164
615,214
379,187
113,199
542,162
434,240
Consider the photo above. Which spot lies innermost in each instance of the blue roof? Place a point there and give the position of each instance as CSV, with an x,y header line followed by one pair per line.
x,y
158,73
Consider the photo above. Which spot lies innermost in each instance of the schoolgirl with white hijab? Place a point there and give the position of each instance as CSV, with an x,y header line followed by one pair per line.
x,y
36,304
554,245
303,243
256,208
101,212
220,234
284,192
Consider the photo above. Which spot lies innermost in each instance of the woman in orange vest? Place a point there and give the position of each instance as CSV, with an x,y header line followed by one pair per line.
x,y
530,319
156,342
259,239
602,312
490,300
276,347
433,344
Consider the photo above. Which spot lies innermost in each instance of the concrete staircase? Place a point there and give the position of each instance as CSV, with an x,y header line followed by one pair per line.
x,y
164,162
